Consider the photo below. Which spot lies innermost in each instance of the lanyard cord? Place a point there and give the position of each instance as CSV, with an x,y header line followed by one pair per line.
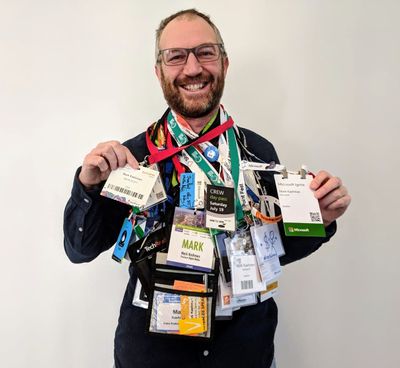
x,y
180,135
157,156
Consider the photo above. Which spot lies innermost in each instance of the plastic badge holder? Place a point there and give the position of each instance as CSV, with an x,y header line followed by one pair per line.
x,y
142,252
187,313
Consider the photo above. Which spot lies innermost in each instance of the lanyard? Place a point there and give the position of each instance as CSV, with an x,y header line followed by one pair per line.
x,y
181,138
157,156
181,133
234,154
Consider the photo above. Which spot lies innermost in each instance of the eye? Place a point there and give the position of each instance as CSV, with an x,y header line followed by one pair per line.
x,y
175,56
207,52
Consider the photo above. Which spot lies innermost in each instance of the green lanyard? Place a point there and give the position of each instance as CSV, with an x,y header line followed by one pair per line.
x,y
234,154
181,139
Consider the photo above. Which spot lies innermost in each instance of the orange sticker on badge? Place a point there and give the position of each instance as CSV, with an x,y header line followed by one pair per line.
x,y
188,286
191,326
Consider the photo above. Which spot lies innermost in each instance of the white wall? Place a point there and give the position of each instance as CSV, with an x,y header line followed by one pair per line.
x,y
320,79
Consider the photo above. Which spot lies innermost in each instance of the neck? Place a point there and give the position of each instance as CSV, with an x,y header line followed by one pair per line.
x,y
197,124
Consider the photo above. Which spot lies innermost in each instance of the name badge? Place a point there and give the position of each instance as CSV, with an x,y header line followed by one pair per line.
x,y
300,209
191,245
220,208
130,186
245,274
267,243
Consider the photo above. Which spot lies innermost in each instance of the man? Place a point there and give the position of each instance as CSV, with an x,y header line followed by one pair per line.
x,y
191,65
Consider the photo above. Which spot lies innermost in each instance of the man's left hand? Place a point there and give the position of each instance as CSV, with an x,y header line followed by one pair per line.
x,y
332,196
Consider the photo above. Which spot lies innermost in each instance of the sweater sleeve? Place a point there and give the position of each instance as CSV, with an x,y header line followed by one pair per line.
x,y
91,221
295,247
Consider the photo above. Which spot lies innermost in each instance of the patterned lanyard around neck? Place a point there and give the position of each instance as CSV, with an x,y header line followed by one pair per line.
x,y
181,134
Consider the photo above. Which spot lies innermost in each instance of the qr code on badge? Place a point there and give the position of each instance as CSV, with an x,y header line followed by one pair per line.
x,y
315,217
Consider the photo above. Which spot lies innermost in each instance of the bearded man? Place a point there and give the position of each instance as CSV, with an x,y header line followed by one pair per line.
x,y
191,65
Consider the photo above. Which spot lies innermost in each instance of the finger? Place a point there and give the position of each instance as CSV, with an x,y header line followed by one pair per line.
x,y
125,156
319,179
119,154
131,159
327,187
109,154
333,196
105,150
341,203
96,161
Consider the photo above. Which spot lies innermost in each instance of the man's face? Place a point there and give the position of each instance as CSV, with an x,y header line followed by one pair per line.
x,y
193,90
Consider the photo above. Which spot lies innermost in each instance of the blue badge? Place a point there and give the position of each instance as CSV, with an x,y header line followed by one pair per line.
x,y
211,153
121,245
186,196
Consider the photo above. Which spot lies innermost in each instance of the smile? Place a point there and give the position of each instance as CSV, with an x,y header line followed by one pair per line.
x,y
194,87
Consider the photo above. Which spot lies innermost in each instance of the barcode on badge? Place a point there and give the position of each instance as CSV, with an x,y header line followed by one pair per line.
x,y
315,217
125,191
246,284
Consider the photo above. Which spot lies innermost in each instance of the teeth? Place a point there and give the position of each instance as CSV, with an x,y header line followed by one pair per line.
x,y
194,87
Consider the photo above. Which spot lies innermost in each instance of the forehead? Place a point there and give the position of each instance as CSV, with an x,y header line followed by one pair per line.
x,y
187,32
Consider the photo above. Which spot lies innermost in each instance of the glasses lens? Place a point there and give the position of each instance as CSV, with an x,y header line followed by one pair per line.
x,y
207,53
174,56
203,53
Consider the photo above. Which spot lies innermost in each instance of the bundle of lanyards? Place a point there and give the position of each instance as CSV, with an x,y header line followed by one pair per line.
x,y
197,154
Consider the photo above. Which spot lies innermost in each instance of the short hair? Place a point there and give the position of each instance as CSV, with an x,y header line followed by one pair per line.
x,y
189,14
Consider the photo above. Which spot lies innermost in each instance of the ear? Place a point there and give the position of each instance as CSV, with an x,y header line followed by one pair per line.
x,y
157,69
225,65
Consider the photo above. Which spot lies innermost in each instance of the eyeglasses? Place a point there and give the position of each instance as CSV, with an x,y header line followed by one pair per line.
x,y
204,54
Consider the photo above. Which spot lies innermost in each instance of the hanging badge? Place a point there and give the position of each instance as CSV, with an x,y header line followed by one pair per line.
x,y
245,274
269,233
267,242
155,241
130,186
220,208
187,190
121,245
300,209
200,179
211,153
191,245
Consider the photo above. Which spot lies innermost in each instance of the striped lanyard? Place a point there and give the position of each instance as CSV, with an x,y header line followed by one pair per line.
x,y
181,133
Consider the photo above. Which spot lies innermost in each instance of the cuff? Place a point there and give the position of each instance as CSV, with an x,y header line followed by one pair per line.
x,y
82,196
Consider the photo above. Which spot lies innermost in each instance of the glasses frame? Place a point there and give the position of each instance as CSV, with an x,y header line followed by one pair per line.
x,y
192,50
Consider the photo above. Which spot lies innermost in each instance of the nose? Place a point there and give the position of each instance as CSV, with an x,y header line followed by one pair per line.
x,y
192,66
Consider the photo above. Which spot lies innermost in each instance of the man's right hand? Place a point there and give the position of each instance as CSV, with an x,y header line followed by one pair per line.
x,y
104,158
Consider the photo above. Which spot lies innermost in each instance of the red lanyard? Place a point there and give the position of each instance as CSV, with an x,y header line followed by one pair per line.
x,y
154,150
157,156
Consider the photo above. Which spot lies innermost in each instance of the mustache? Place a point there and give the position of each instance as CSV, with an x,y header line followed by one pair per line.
x,y
194,80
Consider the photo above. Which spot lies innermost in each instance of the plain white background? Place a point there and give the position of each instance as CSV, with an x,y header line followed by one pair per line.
x,y
320,79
